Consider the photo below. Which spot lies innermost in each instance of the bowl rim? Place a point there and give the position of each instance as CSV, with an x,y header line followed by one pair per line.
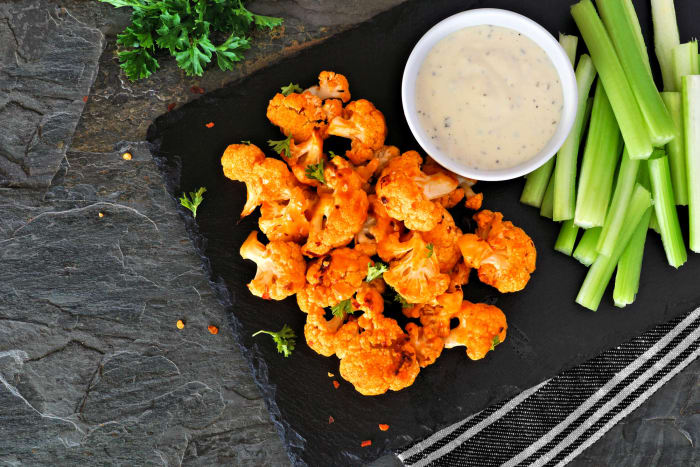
x,y
503,18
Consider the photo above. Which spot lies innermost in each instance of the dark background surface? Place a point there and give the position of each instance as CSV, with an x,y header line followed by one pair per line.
x,y
547,330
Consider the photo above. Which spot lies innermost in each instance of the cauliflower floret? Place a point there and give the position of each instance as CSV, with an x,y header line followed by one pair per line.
x,y
297,115
384,155
428,345
444,236
437,314
320,333
331,85
473,200
340,214
459,276
334,277
376,355
364,125
287,220
504,254
406,192
302,155
416,275
380,233
369,298
266,179
281,268
481,328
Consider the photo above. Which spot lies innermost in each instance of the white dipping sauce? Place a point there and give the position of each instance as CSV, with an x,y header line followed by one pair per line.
x,y
488,97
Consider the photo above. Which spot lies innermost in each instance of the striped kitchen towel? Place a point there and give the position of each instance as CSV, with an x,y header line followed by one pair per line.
x,y
556,420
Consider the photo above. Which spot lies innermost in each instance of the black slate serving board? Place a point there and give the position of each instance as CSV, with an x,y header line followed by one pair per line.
x,y
547,331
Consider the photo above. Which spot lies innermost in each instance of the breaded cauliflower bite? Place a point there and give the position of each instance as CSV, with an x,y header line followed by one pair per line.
x,y
281,268
331,85
266,179
335,277
481,328
406,192
364,125
297,115
287,220
504,254
415,273
340,213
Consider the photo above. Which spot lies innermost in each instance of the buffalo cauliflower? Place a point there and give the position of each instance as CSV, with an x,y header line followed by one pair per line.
x,y
297,115
281,268
473,200
406,192
426,342
334,277
302,155
286,220
503,254
444,236
481,328
320,333
380,233
331,85
364,125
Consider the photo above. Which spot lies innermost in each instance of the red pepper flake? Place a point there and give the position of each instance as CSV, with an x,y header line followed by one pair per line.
x,y
213,329
171,106
85,98
366,443
383,426
336,384
196,90
209,125
331,419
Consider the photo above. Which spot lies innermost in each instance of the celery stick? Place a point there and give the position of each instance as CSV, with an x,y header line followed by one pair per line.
x,y
626,178
585,251
666,38
654,223
631,16
600,159
567,237
602,269
629,268
627,112
675,148
567,159
691,129
547,208
665,208
619,22
537,181
685,61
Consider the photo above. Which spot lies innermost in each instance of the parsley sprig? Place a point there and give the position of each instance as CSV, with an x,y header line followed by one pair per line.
x,y
495,342
429,253
186,29
315,172
290,88
281,146
375,270
343,308
193,203
284,338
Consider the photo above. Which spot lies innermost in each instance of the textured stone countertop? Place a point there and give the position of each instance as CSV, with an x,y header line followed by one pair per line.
x,y
96,266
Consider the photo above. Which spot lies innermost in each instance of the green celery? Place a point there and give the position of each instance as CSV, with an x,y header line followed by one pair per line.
x,y
629,267
675,148
619,22
601,271
567,237
536,182
654,223
626,179
600,159
666,39
685,61
586,251
631,16
627,112
547,208
665,209
691,130
567,158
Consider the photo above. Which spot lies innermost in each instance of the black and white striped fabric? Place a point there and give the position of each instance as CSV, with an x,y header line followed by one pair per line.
x,y
556,420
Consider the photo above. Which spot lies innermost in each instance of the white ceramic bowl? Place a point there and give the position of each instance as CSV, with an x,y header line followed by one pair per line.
x,y
506,19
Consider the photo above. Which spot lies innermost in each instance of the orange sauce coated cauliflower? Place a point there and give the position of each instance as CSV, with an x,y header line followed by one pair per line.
x,y
266,179
320,333
364,125
504,254
297,115
406,192
481,328
473,200
444,236
335,277
331,85
287,220
302,155
281,268
426,342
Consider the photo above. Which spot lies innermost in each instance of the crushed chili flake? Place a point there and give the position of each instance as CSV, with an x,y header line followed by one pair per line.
x,y
213,329
180,324
209,125
101,214
126,156
383,426
196,90
171,106
366,443
331,419
85,98
336,384
330,375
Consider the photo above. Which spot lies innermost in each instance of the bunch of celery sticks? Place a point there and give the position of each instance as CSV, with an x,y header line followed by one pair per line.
x,y
642,152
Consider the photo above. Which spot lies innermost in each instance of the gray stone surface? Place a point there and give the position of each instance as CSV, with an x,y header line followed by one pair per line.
x,y
93,370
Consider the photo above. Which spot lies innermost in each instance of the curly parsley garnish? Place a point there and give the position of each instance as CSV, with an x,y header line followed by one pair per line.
x,y
187,30
284,338
315,172
331,154
399,299
343,308
429,253
495,342
281,146
375,270
193,203
246,142
290,88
